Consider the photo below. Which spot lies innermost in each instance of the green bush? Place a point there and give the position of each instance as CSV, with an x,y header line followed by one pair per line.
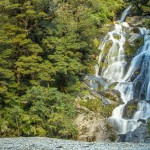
x,y
92,104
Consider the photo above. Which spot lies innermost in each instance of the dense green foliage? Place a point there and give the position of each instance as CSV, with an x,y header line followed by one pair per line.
x,y
46,46
42,111
140,7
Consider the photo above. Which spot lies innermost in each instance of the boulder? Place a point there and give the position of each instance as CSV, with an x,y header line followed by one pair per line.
x,y
139,135
132,106
129,109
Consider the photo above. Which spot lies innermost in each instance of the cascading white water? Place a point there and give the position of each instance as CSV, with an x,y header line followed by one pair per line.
x,y
124,14
113,59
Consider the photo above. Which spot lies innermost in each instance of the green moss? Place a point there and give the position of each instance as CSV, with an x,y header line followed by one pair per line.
x,y
117,37
85,92
111,95
112,138
130,50
103,64
139,42
148,125
107,47
94,105
131,110
105,52
147,23
107,110
146,10
100,88
112,86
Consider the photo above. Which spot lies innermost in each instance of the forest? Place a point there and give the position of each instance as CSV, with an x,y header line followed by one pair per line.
x,y
46,49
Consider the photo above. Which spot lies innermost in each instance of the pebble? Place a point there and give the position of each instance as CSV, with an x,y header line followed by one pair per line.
x,y
43,143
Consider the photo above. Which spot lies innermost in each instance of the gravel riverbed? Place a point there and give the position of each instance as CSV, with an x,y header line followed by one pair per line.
x,y
42,143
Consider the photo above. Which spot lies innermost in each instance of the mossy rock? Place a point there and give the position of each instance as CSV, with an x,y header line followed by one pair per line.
x,y
112,86
107,47
148,124
146,10
147,23
135,30
131,49
103,65
112,95
94,105
117,37
139,42
138,21
107,110
129,109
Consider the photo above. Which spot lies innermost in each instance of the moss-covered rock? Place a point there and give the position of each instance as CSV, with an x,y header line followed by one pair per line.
x,y
138,21
134,42
129,109
112,95
101,102
112,86
147,23
117,37
148,124
131,48
93,107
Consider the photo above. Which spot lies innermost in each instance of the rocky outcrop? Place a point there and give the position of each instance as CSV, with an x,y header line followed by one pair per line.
x,y
93,107
111,94
139,135
136,21
93,126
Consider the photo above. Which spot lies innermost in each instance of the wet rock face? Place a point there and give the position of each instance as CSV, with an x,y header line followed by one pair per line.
x,y
139,135
130,108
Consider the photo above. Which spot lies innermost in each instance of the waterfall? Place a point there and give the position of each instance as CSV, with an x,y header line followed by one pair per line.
x,y
132,78
115,59
124,14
